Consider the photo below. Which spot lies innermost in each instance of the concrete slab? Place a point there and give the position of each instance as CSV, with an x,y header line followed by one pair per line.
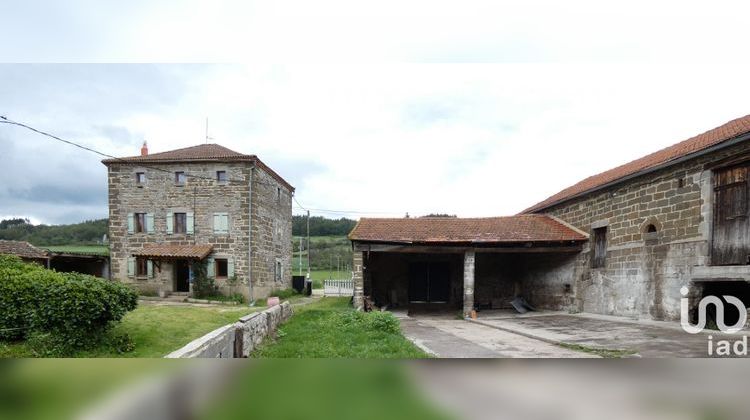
x,y
456,338
651,339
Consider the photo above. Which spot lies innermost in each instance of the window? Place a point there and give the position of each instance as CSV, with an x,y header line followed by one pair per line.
x,y
221,223
277,271
180,223
278,195
141,267
140,222
179,178
140,178
599,242
221,176
222,268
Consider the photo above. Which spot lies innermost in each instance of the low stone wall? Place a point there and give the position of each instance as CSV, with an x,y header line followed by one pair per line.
x,y
238,339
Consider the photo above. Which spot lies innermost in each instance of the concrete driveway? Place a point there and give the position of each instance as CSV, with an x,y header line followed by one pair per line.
x,y
456,338
651,339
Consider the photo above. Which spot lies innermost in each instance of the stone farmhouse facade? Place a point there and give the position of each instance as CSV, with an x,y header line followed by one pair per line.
x,y
677,218
204,203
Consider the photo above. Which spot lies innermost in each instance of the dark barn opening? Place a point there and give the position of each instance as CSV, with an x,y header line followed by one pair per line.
x,y
738,289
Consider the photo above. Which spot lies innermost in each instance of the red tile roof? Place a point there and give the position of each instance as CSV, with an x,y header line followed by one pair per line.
x,y
200,153
21,249
728,131
444,230
174,251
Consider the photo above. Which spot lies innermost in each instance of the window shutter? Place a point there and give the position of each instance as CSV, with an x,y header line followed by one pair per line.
x,y
149,222
220,223
211,268
170,223
225,223
230,267
131,267
150,268
131,223
189,221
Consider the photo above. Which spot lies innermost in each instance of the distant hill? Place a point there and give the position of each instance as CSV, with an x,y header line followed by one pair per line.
x,y
321,226
89,232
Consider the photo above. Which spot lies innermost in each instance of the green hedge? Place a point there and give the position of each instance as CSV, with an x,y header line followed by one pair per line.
x,y
71,310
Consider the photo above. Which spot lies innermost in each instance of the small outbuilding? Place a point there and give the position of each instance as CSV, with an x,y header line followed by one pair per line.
x,y
25,251
435,263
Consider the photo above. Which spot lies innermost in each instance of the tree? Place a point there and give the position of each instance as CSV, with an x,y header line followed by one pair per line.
x,y
13,222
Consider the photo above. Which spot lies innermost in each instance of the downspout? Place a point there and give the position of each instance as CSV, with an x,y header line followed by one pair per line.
x,y
250,237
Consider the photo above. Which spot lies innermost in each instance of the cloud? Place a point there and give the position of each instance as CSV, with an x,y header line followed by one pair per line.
x,y
481,109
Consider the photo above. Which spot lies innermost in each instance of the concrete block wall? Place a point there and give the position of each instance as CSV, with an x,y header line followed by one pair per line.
x,y
238,339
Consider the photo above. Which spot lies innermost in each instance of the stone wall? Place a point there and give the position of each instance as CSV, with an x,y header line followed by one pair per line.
x,y
644,271
271,221
272,233
159,196
238,339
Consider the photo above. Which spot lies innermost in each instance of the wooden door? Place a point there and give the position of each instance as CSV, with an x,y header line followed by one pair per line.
x,y
731,230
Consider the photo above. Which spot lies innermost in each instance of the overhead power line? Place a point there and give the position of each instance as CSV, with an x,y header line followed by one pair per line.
x,y
350,211
5,120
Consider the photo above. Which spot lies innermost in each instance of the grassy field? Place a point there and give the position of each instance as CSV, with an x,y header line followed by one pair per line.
x,y
155,330
80,249
330,328
62,388
324,390
326,253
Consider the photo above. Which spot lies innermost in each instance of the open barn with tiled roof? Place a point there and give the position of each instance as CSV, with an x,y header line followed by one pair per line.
x,y
631,241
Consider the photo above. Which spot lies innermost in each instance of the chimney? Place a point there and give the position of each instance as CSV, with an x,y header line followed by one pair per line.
x,y
144,149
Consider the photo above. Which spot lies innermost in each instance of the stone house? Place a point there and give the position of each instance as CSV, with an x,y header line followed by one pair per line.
x,y
672,219
206,203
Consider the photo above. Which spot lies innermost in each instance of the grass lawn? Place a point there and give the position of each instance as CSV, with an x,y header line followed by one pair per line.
x,y
61,388
156,330
324,330
326,390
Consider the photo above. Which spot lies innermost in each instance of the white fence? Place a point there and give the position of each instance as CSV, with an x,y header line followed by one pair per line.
x,y
338,288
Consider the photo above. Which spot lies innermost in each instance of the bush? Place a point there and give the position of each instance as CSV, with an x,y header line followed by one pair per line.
x,y
284,293
59,311
204,286
369,321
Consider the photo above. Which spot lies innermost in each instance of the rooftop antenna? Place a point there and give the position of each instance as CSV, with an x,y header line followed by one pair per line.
x,y
207,137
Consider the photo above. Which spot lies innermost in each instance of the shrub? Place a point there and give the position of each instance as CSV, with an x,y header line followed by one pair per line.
x,y
59,311
369,321
284,293
204,286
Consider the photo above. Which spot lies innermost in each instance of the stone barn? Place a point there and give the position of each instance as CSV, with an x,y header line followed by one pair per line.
x,y
674,220
444,263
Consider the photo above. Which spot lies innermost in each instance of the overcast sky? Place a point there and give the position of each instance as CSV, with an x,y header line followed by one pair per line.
x,y
475,108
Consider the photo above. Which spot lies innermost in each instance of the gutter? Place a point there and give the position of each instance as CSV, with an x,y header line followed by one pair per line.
x,y
725,144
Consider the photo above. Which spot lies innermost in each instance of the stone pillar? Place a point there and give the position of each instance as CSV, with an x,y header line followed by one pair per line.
x,y
469,262
358,279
